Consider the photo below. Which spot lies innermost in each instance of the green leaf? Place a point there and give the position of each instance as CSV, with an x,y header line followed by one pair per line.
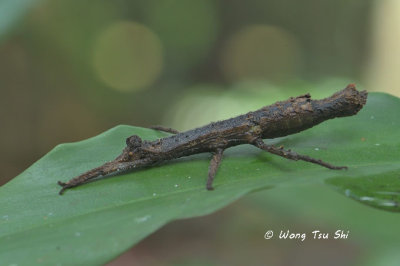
x,y
94,223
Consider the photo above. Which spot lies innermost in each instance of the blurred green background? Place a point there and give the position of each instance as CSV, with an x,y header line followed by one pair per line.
x,y
72,69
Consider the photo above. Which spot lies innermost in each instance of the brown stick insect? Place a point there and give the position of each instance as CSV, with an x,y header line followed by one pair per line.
x,y
276,120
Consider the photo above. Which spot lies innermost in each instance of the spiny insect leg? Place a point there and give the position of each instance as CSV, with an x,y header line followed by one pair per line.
x,y
288,154
214,164
165,129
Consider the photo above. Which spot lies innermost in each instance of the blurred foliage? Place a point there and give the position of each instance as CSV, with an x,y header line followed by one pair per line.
x,y
10,12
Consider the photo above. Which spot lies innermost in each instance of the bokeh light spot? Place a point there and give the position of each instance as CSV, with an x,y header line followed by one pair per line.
x,y
260,52
127,56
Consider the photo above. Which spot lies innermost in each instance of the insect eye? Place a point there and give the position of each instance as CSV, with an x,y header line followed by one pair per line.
x,y
134,141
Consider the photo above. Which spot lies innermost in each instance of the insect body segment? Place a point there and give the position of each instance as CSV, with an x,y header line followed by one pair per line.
x,y
277,120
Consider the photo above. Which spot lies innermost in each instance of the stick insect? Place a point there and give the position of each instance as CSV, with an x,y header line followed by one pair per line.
x,y
277,120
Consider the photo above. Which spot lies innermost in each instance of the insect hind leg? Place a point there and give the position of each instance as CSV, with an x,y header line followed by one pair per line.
x,y
288,154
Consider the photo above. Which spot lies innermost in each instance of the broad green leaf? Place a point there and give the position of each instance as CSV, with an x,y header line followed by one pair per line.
x,y
94,223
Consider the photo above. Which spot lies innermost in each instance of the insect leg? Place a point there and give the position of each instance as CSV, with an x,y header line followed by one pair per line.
x,y
214,164
165,129
288,154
